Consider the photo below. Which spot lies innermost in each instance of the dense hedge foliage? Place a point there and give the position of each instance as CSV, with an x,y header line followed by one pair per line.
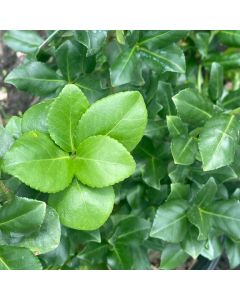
x,y
72,195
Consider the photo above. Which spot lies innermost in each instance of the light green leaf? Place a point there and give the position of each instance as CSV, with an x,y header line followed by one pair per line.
x,y
122,116
169,59
176,126
192,107
25,41
6,140
38,162
126,68
215,87
102,161
35,118
64,114
16,258
14,127
22,215
83,208
131,229
172,257
217,142
48,237
170,222
36,78
155,39
184,149
92,39
197,213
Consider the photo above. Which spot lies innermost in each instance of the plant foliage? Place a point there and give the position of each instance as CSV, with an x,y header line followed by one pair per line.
x,y
131,152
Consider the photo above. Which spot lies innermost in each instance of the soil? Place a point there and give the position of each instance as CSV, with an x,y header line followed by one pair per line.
x,y
12,101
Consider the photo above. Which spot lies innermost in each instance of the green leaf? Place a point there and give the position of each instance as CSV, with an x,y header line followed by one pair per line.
x,y
176,126
170,222
25,41
233,253
14,127
179,191
15,258
130,230
153,172
232,100
102,161
192,107
184,149
48,237
227,60
22,215
122,116
126,69
35,118
155,39
163,96
213,248
6,140
83,208
172,257
70,59
92,39
230,37
120,257
38,162
226,217
36,78
93,253
191,245
169,59
64,114
202,39
215,87
217,142
155,128
197,213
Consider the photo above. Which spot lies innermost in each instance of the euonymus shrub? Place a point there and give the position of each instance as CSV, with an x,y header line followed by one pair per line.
x,y
72,196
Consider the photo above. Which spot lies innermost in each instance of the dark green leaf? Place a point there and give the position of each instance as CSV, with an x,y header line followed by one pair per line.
x,y
215,87
92,39
192,107
25,41
15,258
184,150
172,257
170,222
218,142
22,215
36,78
